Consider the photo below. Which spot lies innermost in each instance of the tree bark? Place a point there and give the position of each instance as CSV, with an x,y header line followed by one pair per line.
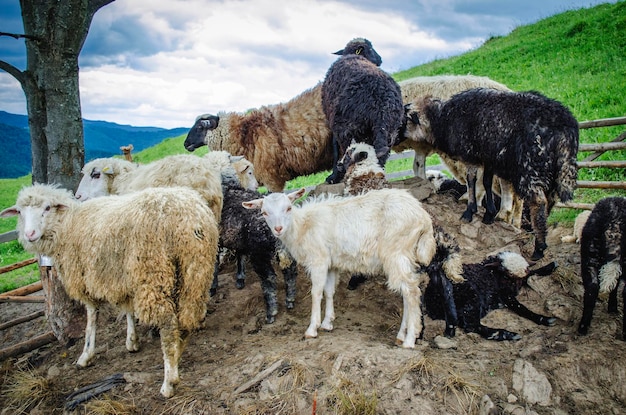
x,y
67,318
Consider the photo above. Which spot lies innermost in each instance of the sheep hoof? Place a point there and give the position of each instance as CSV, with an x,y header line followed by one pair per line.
x,y
167,390
212,292
467,216
290,304
583,330
269,319
537,255
549,321
240,283
488,219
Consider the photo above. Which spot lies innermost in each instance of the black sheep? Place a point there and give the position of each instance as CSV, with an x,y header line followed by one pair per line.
x,y
361,102
602,244
490,285
245,232
523,137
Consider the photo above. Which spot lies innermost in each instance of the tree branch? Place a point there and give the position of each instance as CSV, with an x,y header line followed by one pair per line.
x,y
13,71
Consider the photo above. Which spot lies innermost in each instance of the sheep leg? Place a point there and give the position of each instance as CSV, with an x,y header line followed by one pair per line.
x,y
132,343
522,311
214,284
336,175
262,265
290,273
450,312
90,336
490,207
471,194
506,201
592,288
171,345
329,295
318,280
612,308
624,313
419,165
538,217
495,334
240,281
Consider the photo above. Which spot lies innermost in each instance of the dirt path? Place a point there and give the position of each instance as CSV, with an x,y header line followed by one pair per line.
x,y
237,364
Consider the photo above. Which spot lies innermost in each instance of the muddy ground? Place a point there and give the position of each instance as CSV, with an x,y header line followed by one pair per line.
x,y
236,364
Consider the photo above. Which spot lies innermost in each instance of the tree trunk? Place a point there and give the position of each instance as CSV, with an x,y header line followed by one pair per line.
x,y
67,318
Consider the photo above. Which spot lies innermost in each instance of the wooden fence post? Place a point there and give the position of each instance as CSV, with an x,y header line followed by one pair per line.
x,y
66,317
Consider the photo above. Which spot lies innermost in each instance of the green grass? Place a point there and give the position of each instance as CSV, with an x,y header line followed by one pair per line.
x,y
575,57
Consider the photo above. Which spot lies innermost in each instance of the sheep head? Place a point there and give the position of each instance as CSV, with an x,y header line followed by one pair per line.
x,y
196,137
362,47
276,210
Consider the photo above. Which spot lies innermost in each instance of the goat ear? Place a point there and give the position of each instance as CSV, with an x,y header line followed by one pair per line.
x,y
339,52
545,270
8,212
296,195
234,159
253,204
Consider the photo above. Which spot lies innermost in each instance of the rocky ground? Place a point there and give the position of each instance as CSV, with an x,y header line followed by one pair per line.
x,y
236,364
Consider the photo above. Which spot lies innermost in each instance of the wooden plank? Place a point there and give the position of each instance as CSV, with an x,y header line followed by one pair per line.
x,y
17,265
602,146
27,346
21,320
573,205
22,299
601,185
597,154
25,290
8,236
604,122
598,164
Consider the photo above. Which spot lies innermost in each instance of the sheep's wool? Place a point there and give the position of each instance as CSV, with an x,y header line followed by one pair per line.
x,y
515,263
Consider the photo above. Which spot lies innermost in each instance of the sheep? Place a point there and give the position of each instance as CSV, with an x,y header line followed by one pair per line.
x,y
106,176
382,231
363,172
414,90
145,253
524,137
602,260
102,177
283,141
489,285
361,102
244,232
579,223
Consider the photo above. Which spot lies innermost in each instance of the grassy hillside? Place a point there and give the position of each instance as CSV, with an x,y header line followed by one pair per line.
x,y
576,57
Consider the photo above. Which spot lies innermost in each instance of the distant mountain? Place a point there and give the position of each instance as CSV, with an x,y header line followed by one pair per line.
x,y
102,139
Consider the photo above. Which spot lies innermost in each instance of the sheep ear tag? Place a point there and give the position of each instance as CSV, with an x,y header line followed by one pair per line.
x,y
107,170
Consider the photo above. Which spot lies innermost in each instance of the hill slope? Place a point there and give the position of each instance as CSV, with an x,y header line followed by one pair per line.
x,y
102,139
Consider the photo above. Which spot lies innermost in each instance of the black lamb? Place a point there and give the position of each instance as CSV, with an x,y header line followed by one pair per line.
x,y
361,102
245,233
489,285
523,137
602,244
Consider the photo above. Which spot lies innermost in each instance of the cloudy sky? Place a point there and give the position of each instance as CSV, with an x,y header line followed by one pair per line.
x,y
149,63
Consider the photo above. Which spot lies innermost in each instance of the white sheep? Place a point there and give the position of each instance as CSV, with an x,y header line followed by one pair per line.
x,y
383,231
113,176
577,232
147,253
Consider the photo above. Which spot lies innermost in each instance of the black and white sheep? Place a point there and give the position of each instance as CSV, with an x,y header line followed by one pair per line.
x,y
380,232
523,137
146,253
602,261
245,233
489,285
363,103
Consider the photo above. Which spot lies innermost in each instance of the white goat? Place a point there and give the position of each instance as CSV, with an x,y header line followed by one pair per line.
x,y
380,232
